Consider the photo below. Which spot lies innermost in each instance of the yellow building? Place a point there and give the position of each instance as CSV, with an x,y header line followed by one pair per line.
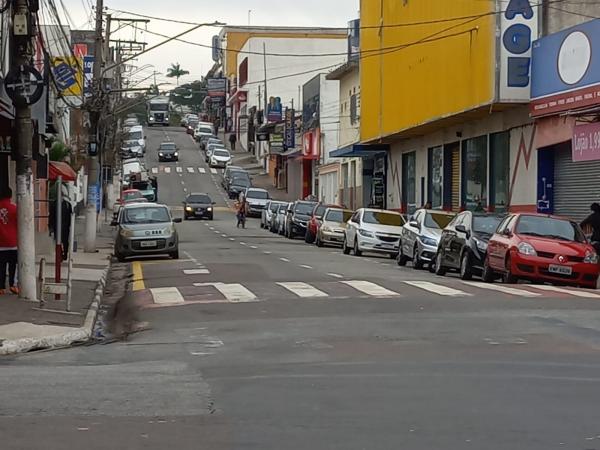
x,y
445,84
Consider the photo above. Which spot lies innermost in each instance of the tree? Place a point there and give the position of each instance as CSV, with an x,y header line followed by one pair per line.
x,y
153,90
175,71
190,94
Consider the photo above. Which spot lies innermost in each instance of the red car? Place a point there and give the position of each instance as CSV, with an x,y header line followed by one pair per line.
x,y
315,221
538,247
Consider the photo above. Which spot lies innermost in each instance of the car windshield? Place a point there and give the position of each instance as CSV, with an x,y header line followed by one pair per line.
x,y
258,194
242,182
130,144
304,208
159,107
274,207
320,210
148,214
438,221
486,224
142,185
135,135
214,141
222,153
338,215
198,198
132,195
204,130
383,218
549,227
167,146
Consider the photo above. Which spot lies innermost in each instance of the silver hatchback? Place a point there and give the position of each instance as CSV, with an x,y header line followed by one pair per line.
x,y
145,229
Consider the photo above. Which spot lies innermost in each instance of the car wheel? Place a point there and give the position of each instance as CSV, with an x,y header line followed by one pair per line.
x,y
309,238
345,248
357,251
439,266
417,263
393,255
318,241
466,272
487,274
120,257
509,278
211,217
185,217
402,258
175,254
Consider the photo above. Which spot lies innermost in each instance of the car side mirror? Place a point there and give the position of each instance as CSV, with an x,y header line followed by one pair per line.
x,y
507,233
114,223
414,224
177,220
213,203
461,229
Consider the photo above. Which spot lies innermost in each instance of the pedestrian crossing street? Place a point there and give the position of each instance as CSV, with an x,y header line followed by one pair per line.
x,y
169,169
218,292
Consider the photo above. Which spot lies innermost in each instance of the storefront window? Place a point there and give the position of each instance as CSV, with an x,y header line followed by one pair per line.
x,y
409,182
499,170
436,176
475,173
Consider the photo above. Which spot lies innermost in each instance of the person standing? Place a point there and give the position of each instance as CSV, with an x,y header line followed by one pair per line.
x,y
593,221
232,141
8,242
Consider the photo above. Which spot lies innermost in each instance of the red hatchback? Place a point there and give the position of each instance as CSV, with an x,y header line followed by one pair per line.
x,y
316,219
541,248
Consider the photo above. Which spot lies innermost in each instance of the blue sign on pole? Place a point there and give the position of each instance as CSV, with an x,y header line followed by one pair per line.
x,y
290,129
88,75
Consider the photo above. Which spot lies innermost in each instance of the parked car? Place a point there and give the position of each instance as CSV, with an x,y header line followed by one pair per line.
x,y
373,230
256,200
421,236
147,187
145,229
297,218
131,149
191,125
333,226
202,130
238,184
206,139
210,149
542,248
167,151
219,157
464,243
315,221
198,206
282,218
135,135
267,214
227,174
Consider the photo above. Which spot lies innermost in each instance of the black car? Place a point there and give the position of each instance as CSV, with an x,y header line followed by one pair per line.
x,y
463,245
238,184
168,152
297,218
230,172
198,206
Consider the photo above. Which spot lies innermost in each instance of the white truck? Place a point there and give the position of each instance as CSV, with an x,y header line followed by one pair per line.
x,y
158,111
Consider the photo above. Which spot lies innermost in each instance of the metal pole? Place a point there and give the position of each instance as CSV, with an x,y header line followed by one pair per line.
x,y
265,70
71,244
58,235
21,45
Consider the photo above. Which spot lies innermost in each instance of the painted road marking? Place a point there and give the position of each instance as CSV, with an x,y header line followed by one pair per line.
x,y
573,292
303,290
155,170
438,289
304,266
284,259
254,247
179,169
201,170
167,296
504,289
213,171
335,275
167,170
191,170
369,288
235,293
196,271
138,276
267,253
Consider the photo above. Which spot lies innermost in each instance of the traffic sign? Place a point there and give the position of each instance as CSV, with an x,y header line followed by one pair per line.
x,y
24,85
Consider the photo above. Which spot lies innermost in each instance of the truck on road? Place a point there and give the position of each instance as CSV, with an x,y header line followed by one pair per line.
x,y
158,111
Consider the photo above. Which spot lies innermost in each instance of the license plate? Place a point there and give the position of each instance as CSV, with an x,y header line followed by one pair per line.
x,y
199,213
148,244
386,245
561,270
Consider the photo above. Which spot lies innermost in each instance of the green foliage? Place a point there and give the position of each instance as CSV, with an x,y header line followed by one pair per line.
x,y
175,71
190,94
59,151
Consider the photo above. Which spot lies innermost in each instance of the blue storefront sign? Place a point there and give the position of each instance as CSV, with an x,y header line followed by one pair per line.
x,y
88,75
290,128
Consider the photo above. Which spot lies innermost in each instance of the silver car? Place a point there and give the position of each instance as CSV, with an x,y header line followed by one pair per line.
x,y
421,236
267,214
145,229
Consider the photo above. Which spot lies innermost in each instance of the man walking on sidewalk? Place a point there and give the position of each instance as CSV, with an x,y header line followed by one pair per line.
x,y
232,141
8,242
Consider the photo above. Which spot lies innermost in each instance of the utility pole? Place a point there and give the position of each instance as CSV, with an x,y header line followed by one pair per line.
x,y
21,57
94,141
265,70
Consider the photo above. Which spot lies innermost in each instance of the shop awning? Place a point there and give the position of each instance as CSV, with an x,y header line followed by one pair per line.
x,y
292,153
61,169
360,151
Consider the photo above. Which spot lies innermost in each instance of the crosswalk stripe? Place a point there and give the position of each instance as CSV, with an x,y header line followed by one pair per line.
x,y
235,293
196,271
167,296
167,170
303,290
438,289
573,292
369,288
213,171
201,170
155,170
504,289
179,169
190,170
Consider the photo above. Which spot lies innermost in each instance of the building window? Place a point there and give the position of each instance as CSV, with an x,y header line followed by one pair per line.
x,y
353,110
436,177
474,180
409,182
499,170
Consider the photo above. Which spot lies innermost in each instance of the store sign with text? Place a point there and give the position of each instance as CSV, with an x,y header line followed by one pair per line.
x,y
290,128
519,28
586,142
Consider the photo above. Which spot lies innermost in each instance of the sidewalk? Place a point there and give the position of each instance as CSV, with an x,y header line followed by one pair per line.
x,y
260,179
24,327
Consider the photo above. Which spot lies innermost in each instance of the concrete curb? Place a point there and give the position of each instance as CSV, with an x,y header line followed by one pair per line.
x,y
77,335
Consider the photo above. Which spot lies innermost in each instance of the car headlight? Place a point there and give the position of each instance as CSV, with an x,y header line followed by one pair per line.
x,y
176,153
126,233
151,119
327,229
526,249
428,241
481,245
189,208
366,233
209,208
160,154
590,257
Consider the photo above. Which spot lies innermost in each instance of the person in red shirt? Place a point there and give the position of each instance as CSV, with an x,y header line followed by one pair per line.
x,y
8,242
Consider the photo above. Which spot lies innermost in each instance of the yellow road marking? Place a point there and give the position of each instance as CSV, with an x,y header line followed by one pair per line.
x,y
138,276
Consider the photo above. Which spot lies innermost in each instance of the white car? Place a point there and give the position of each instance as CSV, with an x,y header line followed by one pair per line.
x,y
267,214
136,135
256,200
211,148
373,230
220,157
202,130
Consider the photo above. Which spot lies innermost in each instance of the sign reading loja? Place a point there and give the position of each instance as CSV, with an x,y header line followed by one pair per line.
x,y
519,29
586,142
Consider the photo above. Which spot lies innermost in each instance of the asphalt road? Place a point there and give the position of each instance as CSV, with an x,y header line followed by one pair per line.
x,y
260,342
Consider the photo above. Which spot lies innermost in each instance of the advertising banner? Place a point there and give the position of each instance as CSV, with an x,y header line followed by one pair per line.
x,y
88,75
67,72
276,143
311,144
586,142
274,110
290,128
217,87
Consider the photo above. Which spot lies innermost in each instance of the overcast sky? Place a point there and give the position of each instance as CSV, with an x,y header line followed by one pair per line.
x,y
334,13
